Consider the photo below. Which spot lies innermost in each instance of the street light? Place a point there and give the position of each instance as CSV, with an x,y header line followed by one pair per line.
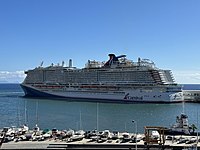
x,y
133,121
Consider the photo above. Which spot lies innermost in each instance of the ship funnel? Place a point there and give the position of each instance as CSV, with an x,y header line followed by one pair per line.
x,y
70,63
113,59
111,56
110,61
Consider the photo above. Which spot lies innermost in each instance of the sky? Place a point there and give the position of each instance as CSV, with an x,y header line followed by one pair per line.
x,y
164,31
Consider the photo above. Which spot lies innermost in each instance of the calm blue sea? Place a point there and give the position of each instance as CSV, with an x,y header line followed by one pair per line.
x,y
16,110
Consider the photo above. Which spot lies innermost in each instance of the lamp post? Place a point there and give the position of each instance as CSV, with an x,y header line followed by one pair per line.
x,y
133,121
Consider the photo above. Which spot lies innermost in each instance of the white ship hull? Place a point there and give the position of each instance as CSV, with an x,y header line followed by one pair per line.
x,y
123,96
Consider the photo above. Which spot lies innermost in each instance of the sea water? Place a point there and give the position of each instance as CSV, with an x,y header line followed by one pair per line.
x,y
16,110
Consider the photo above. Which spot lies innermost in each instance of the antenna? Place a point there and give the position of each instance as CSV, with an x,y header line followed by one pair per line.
x,y
70,63
36,112
97,116
183,107
41,64
63,63
197,129
18,114
80,121
139,61
25,112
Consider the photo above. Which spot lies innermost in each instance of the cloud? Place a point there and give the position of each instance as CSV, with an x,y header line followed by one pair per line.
x,y
187,77
12,77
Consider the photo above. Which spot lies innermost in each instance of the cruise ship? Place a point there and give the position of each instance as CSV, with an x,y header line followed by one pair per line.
x,y
116,80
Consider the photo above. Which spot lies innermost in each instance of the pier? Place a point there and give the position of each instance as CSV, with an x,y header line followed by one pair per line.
x,y
191,95
69,139
84,144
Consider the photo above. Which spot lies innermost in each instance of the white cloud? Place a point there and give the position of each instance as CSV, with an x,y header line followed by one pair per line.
x,y
12,77
187,77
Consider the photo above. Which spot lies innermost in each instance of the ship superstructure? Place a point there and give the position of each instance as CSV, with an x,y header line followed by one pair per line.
x,y
117,80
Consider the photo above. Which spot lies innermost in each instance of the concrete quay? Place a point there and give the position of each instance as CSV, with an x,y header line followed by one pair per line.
x,y
178,143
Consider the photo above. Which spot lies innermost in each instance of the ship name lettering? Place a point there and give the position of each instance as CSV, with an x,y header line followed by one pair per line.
x,y
128,97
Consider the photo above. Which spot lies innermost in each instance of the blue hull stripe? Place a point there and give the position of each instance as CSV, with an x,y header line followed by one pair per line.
x,y
30,92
